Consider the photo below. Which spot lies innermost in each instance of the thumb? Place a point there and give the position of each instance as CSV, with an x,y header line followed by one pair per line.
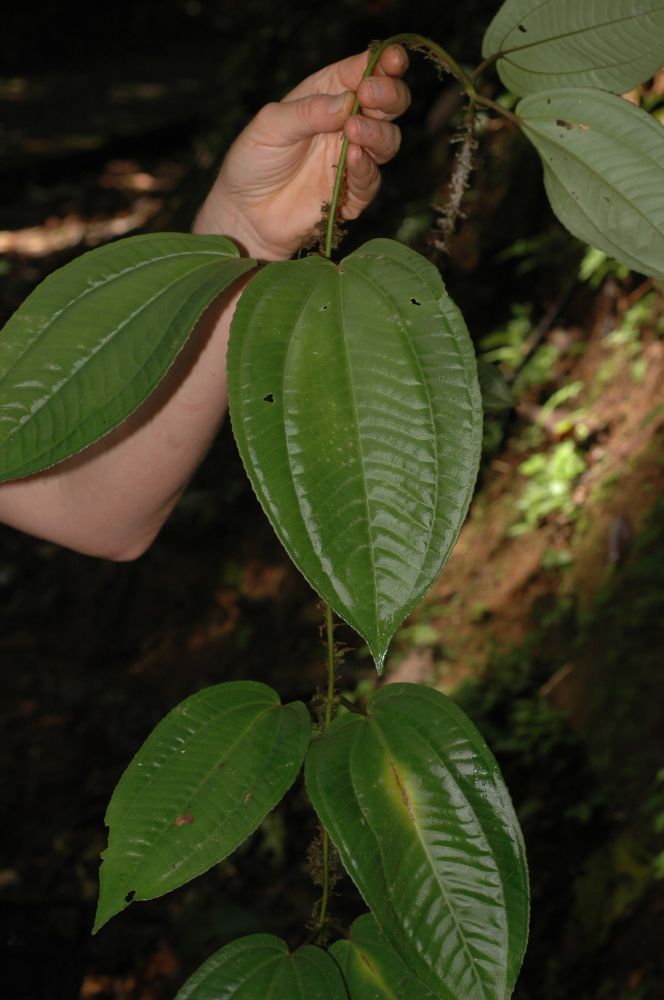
x,y
292,121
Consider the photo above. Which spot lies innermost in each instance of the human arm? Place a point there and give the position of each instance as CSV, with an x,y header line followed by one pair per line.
x,y
112,498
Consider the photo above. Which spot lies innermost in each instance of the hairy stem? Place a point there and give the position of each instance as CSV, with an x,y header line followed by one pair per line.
x,y
444,60
329,704
461,171
419,42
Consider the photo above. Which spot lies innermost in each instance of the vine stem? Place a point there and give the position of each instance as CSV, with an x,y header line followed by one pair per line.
x,y
444,59
405,38
329,703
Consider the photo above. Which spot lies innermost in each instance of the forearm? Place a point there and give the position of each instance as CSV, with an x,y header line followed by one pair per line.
x,y
112,499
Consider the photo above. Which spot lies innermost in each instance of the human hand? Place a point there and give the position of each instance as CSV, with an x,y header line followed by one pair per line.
x,y
280,170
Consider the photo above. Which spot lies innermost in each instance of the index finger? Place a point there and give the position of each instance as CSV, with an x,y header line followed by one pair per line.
x,y
392,62
347,74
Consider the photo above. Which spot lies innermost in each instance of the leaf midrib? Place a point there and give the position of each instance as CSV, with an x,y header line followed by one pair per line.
x,y
566,34
592,170
423,381
356,423
117,275
450,906
140,793
101,345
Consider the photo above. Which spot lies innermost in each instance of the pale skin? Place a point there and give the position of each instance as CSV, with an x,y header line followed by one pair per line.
x,y
112,499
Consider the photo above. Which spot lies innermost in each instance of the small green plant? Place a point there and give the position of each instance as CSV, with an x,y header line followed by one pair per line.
x,y
549,490
356,407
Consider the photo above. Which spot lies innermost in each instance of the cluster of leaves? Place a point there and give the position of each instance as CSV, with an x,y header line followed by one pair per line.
x,y
394,788
356,406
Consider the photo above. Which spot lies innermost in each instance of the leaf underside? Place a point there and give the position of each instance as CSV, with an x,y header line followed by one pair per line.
x,y
415,804
260,966
371,968
603,171
356,409
204,779
92,341
545,44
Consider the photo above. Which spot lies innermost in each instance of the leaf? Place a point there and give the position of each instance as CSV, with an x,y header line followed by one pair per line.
x,y
544,44
371,968
203,780
355,405
496,393
260,966
94,339
414,802
603,171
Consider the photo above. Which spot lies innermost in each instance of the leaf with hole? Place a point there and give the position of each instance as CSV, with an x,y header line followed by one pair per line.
x,y
260,966
356,409
89,345
545,44
371,968
203,780
603,171
415,804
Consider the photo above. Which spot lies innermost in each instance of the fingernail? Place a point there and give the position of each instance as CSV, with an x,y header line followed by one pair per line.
x,y
375,88
339,103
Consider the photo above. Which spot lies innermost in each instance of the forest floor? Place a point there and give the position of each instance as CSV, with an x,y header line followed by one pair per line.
x,y
547,625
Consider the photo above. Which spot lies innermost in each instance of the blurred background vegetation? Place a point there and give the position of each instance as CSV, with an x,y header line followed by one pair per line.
x,y
548,623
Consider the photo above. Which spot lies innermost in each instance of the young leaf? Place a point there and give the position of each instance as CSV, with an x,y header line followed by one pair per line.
x,y
603,171
260,966
356,409
203,780
415,804
94,339
544,44
371,968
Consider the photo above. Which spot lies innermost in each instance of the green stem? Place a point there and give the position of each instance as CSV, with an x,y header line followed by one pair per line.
x,y
477,72
414,41
486,102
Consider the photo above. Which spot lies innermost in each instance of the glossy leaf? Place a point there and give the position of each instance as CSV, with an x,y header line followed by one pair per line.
x,y
415,804
603,171
201,783
355,405
260,966
371,968
610,44
94,339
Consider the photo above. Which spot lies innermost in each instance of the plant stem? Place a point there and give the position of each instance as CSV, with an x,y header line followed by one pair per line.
x,y
477,72
461,171
329,703
443,59
413,41
329,634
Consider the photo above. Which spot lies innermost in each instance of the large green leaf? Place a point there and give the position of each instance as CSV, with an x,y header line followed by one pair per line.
x,y
610,44
201,783
260,966
94,339
415,804
355,405
603,171
371,968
